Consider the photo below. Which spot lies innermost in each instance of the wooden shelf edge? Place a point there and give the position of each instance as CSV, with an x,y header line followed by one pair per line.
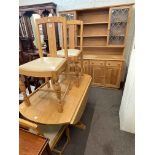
x,y
119,22
121,46
118,35
91,36
95,23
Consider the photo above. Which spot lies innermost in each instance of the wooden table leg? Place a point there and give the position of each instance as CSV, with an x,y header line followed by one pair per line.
x,y
68,134
57,89
80,125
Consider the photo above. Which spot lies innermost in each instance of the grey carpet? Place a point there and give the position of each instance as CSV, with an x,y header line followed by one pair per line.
x,y
102,135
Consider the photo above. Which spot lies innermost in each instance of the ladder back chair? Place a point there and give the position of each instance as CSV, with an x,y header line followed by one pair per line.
x,y
74,55
52,132
48,67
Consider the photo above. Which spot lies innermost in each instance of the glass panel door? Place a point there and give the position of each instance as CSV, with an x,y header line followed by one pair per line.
x,y
69,15
118,25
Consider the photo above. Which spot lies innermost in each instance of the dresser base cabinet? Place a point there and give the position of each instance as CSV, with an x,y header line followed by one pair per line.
x,y
104,72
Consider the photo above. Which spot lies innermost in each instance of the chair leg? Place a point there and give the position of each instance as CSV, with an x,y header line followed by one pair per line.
x,y
81,60
27,84
77,71
36,82
57,89
23,90
47,80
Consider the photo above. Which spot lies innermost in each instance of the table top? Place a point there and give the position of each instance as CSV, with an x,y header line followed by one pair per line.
x,y
31,144
43,108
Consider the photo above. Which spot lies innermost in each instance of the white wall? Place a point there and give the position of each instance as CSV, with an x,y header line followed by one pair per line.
x,y
63,5
127,108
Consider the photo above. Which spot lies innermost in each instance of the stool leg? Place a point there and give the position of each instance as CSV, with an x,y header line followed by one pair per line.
x,y
23,90
57,89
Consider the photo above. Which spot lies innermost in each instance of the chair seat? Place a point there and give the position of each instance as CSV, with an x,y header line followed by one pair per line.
x,y
71,53
42,67
51,132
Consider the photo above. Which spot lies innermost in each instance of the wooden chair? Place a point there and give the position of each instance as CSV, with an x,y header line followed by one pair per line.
x,y
52,132
74,55
48,67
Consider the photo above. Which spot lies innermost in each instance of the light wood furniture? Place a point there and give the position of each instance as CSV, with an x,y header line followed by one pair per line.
x,y
32,144
74,55
52,132
43,107
105,71
104,40
48,67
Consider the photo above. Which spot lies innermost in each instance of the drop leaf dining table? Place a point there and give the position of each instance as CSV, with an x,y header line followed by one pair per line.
x,y
43,108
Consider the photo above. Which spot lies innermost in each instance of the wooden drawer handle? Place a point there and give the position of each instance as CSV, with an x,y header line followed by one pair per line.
x,y
114,64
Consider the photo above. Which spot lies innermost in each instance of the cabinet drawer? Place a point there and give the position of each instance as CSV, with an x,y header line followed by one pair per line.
x,y
113,63
96,62
86,62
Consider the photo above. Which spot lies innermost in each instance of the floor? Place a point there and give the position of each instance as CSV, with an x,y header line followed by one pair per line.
x,y
102,135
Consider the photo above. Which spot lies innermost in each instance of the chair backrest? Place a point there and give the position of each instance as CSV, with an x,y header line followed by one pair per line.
x,y
72,28
50,23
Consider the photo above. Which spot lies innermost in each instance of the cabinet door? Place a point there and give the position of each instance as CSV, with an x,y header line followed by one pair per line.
x,y
113,76
98,72
118,25
98,75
